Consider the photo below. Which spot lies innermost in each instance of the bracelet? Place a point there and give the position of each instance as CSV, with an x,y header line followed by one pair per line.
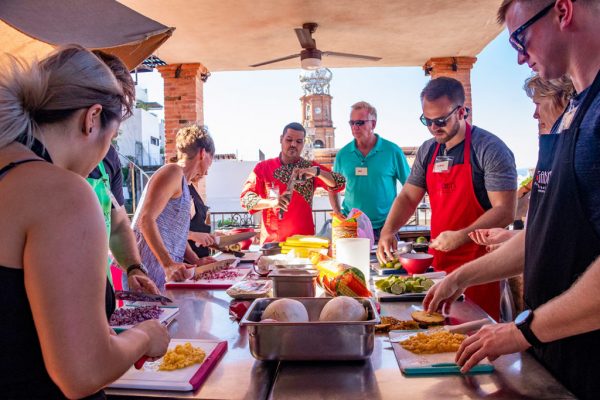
x,y
134,267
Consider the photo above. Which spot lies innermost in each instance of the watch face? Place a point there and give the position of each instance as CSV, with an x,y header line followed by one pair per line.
x,y
522,317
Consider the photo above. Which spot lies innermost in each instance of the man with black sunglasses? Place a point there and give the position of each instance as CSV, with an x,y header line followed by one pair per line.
x,y
559,250
471,179
372,167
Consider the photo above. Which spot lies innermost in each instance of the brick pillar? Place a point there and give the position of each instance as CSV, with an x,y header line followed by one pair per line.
x,y
458,68
184,102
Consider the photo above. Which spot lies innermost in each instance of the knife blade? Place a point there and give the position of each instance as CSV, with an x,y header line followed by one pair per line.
x,y
133,296
227,240
214,266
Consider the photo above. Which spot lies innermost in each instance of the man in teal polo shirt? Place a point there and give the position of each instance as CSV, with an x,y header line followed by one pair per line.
x,y
372,166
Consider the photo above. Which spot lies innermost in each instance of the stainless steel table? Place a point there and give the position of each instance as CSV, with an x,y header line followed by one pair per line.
x,y
517,376
204,315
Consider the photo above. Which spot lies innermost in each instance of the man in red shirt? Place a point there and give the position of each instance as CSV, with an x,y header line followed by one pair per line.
x,y
266,188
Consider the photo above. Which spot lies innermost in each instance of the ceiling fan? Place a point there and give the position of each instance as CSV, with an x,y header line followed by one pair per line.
x,y
310,56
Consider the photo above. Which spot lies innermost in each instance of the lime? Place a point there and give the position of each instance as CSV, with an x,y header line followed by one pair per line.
x,y
421,239
427,283
398,288
397,266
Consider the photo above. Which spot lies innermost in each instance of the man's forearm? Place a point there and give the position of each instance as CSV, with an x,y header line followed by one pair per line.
x,y
328,178
573,312
334,200
190,255
506,261
402,210
122,241
495,217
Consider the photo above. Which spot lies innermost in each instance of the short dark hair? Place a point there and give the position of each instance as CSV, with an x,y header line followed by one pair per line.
x,y
444,86
294,126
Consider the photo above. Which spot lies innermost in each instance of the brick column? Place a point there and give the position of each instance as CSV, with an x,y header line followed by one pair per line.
x,y
184,102
458,68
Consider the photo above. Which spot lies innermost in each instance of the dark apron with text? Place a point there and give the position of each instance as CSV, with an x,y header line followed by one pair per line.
x,y
560,244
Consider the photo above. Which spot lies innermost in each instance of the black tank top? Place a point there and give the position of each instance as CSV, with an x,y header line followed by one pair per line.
x,y
198,223
23,374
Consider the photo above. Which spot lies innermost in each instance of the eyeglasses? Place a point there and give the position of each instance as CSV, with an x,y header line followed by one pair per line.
x,y
440,122
359,122
516,38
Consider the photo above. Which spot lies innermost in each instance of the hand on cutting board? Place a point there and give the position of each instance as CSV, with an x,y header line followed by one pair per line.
x,y
448,241
441,295
141,283
205,260
178,272
490,341
158,336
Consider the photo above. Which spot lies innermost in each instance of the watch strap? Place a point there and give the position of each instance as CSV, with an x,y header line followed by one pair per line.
x,y
525,328
318,171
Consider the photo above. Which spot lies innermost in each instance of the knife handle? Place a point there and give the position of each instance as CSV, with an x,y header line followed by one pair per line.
x,y
140,363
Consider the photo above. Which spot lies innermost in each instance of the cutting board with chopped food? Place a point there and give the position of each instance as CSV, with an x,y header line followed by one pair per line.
x,y
215,279
185,379
127,316
414,364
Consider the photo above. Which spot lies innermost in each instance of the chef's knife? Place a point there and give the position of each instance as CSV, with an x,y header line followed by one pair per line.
x,y
214,266
227,240
133,296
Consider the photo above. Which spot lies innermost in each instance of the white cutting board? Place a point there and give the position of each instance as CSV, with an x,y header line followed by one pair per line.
x,y
427,364
149,377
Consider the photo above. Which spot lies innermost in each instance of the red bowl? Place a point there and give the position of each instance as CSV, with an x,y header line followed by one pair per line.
x,y
244,244
415,263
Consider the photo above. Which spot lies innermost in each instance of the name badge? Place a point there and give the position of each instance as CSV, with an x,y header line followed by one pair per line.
x,y
442,164
361,171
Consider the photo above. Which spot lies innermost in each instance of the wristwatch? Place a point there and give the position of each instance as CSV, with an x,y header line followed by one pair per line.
x,y
523,322
318,170
133,267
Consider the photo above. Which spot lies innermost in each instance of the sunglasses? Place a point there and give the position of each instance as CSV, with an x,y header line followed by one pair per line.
x,y
516,38
359,122
439,122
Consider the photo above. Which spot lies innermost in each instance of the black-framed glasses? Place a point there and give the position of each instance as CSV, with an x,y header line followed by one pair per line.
x,y
516,38
440,122
359,122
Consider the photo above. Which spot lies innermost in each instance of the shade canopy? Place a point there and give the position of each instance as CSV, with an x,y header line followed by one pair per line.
x,y
33,28
229,35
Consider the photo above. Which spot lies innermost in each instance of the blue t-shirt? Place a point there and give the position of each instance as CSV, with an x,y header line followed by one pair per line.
x,y
374,192
587,158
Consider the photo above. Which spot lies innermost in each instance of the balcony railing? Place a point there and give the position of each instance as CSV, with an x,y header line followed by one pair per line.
x,y
225,219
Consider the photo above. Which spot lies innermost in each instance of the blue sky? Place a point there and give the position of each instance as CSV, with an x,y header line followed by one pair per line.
x,y
245,111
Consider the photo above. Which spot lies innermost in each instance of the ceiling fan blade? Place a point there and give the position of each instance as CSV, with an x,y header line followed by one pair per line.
x,y
349,55
276,60
305,38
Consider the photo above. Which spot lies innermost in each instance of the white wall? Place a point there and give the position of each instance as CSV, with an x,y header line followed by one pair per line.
x,y
224,184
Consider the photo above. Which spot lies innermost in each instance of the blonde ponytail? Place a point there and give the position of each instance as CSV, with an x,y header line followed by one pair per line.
x,y
22,92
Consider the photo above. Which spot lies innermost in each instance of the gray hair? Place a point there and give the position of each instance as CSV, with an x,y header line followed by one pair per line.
x,y
363,105
52,90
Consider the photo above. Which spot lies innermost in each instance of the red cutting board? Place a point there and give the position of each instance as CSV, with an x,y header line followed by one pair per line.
x,y
185,379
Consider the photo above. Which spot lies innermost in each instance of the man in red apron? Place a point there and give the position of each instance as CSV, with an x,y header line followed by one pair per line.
x,y
471,180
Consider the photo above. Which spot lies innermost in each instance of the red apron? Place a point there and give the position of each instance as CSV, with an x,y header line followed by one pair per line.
x,y
453,207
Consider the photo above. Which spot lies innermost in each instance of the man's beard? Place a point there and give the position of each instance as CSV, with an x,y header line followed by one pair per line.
x,y
449,135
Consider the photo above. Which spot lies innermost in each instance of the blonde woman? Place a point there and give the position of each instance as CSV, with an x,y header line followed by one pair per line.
x,y
162,221
55,338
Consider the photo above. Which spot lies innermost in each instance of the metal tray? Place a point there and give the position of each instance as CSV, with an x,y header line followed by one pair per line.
x,y
313,340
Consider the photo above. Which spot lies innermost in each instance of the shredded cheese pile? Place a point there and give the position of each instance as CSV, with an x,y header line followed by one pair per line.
x,y
436,342
183,355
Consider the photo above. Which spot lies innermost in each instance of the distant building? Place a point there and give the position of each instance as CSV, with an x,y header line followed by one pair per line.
x,y
141,137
